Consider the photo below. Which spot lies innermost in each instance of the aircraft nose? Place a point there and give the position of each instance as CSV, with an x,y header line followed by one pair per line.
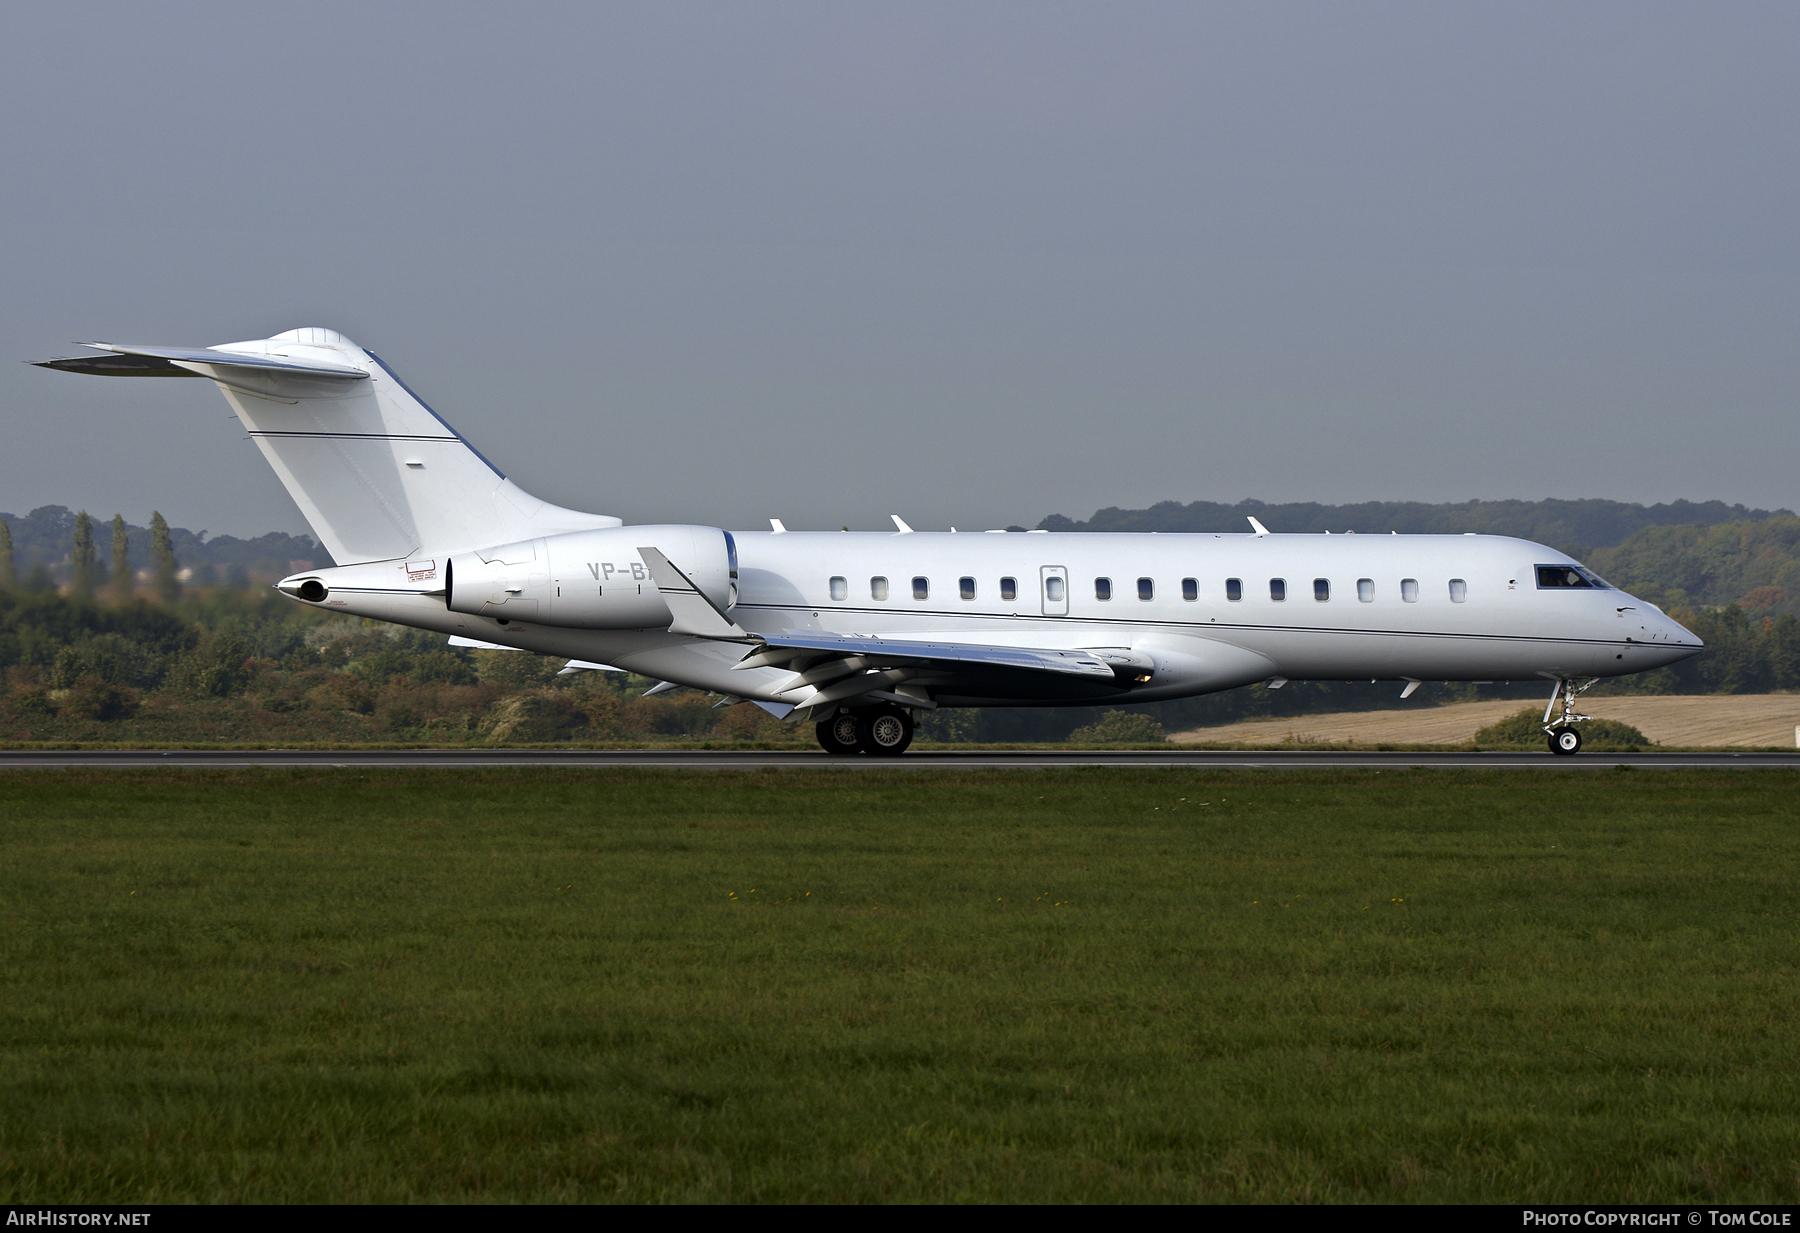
x,y
1683,632
1669,639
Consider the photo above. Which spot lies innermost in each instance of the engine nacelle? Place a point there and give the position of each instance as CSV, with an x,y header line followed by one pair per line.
x,y
590,579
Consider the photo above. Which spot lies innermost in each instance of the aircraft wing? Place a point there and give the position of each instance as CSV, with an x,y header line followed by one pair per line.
x,y
831,668
791,645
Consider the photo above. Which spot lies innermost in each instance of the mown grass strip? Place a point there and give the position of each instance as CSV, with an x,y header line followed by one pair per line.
x,y
542,984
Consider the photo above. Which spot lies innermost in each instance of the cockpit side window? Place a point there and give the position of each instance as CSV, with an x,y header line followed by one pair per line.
x,y
1564,577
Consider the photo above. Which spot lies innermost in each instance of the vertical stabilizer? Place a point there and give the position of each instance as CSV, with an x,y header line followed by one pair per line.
x,y
376,472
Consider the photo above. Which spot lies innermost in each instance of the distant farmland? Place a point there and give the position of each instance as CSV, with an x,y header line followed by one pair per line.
x,y
1747,720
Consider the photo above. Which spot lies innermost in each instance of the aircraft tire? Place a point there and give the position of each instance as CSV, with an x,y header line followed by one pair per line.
x,y
1565,741
886,731
841,734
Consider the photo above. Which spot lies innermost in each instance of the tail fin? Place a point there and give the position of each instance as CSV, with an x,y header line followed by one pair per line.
x,y
376,472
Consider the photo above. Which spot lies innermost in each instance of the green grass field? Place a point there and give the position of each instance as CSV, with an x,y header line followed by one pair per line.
x,y
892,985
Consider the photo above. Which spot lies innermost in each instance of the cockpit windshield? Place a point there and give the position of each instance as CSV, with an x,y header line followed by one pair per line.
x,y
1562,577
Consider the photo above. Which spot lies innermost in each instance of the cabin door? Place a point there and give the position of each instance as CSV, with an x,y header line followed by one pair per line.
x,y
1053,580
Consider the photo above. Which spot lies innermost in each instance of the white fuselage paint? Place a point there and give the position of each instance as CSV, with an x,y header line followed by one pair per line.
x,y
1505,627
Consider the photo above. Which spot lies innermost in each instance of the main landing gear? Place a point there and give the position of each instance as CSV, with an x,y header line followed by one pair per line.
x,y
1565,738
884,731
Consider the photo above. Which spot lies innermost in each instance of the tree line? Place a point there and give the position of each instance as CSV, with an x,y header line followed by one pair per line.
x,y
1573,526
218,665
54,546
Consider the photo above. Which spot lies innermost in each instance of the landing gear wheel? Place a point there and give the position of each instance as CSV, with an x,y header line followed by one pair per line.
x,y
886,731
841,734
1565,741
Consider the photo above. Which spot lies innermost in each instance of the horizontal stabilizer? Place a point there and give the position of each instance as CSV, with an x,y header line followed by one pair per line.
x,y
124,361
586,665
115,365
476,644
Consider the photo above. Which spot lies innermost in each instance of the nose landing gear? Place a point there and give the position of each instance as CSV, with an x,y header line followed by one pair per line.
x,y
884,731
1565,738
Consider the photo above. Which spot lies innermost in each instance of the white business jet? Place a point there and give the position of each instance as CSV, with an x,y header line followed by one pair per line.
x,y
858,633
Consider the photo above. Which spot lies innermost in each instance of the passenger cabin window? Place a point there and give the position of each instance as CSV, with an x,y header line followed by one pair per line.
x,y
1560,576
1190,589
1459,591
1365,590
1234,589
921,588
1409,590
1278,589
878,588
1009,588
965,587
1146,588
1321,589
1103,588
840,588
1054,590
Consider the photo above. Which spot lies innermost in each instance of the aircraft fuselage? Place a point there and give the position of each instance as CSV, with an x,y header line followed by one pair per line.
x,y
1333,607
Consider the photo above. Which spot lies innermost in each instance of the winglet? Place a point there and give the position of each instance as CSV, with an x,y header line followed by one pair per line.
x,y
695,614
901,523
776,526
1260,528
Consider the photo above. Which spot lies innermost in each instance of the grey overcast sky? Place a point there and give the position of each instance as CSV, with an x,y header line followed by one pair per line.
x,y
973,263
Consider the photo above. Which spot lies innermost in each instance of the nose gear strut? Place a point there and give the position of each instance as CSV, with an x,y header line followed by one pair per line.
x,y
1565,738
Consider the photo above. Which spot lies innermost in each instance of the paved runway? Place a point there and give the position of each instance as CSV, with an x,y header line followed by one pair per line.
x,y
937,760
